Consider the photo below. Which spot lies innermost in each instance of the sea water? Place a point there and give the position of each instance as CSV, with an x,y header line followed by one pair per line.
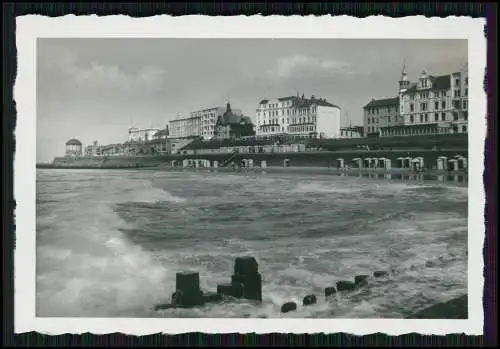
x,y
109,242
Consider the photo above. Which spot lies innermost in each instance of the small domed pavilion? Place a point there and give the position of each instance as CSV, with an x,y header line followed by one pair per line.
x,y
73,147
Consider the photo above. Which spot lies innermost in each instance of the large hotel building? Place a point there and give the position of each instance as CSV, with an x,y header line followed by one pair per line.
x,y
198,123
432,105
298,116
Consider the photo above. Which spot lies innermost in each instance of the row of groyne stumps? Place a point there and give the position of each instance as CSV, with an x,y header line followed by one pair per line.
x,y
246,283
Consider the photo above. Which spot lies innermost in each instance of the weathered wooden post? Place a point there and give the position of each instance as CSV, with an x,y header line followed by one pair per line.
x,y
246,273
187,290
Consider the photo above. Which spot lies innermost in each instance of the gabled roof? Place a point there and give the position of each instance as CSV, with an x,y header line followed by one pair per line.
x,y
441,82
385,102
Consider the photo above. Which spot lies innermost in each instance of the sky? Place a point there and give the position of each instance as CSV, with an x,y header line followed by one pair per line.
x,y
95,89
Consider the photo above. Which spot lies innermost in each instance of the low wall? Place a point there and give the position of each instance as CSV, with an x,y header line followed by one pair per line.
x,y
300,159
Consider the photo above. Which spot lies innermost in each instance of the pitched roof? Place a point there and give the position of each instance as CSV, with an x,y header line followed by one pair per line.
x,y
73,141
441,82
303,103
160,133
383,102
286,98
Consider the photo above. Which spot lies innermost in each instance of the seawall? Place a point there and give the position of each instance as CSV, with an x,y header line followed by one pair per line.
x,y
323,159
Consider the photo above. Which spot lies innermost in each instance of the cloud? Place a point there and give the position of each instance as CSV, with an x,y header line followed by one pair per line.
x,y
300,65
96,76
106,76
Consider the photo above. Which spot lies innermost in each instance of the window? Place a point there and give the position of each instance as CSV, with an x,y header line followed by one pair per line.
x,y
426,117
436,117
443,105
421,118
412,107
466,115
466,91
455,116
457,93
436,105
457,81
443,116
464,129
465,104
377,110
389,119
368,121
423,106
411,118
443,93
388,109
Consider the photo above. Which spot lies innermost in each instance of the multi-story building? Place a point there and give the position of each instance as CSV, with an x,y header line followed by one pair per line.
x,y
351,132
208,118
184,127
141,134
233,125
93,150
380,113
432,105
298,116
199,123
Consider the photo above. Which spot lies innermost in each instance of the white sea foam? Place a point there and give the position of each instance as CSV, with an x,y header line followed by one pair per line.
x,y
86,266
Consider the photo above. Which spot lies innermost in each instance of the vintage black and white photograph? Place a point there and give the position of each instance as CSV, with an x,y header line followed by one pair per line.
x,y
254,177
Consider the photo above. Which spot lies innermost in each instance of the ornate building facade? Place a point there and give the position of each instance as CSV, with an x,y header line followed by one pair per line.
x,y
313,117
432,105
233,125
